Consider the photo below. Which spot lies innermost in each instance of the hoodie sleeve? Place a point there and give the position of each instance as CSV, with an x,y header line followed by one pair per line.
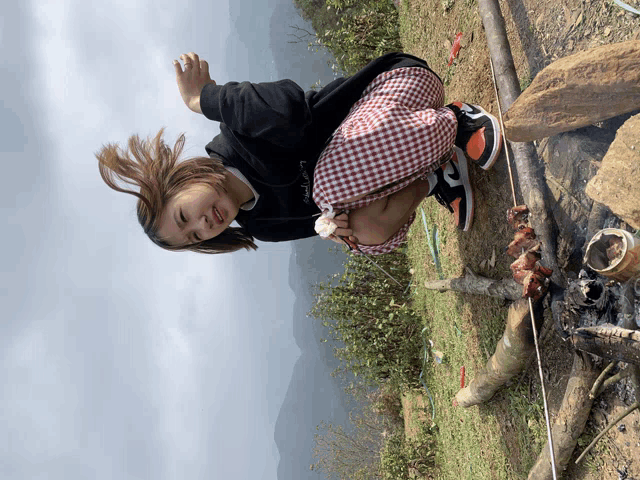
x,y
275,112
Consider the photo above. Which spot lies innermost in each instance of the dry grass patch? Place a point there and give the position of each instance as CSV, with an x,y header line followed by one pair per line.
x,y
416,409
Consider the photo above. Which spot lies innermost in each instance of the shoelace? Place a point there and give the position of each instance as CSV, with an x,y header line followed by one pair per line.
x,y
441,198
464,132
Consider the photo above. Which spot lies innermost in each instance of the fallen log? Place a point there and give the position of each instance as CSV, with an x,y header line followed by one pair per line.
x,y
576,91
506,289
528,166
534,192
608,341
512,352
530,169
570,420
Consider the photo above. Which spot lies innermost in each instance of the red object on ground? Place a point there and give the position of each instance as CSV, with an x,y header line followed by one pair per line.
x,y
462,376
455,48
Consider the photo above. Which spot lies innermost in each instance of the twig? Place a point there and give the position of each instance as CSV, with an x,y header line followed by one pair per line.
x,y
611,425
596,385
626,7
613,379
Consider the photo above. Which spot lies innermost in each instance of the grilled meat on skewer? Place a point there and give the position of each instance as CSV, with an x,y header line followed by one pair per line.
x,y
524,263
536,282
518,217
523,240
526,270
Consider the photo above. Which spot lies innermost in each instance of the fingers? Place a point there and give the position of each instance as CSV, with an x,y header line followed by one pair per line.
x,y
195,60
341,221
204,67
343,232
341,241
198,69
186,60
191,61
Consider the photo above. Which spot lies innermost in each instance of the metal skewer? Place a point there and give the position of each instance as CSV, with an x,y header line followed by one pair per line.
x,y
352,246
533,323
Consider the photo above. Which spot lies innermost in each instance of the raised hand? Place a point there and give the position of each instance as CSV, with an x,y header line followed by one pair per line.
x,y
192,79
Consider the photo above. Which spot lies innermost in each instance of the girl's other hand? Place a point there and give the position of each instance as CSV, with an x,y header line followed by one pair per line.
x,y
192,79
343,230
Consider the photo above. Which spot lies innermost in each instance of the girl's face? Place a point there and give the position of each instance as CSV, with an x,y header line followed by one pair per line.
x,y
199,212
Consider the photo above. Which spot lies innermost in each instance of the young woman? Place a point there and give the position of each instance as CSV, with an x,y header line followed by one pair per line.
x,y
369,147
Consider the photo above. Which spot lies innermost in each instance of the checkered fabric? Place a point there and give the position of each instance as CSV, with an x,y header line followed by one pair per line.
x,y
396,133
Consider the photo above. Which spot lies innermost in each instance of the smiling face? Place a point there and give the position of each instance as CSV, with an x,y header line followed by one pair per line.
x,y
198,213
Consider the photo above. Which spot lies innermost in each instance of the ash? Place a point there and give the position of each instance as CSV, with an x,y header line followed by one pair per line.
x,y
594,300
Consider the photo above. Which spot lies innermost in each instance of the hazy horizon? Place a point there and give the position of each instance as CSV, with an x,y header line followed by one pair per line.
x,y
120,359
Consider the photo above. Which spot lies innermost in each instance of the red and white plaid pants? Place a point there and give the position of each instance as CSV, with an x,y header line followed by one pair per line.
x,y
398,132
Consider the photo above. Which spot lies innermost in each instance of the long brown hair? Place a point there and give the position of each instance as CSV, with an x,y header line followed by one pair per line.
x,y
152,167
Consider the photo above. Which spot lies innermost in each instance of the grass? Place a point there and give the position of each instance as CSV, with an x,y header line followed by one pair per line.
x,y
427,29
502,439
525,81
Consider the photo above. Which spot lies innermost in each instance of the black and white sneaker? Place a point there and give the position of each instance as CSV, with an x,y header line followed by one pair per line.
x,y
450,185
478,134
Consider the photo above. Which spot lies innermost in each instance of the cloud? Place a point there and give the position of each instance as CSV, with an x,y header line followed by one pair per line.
x,y
107,73
121,360
72,399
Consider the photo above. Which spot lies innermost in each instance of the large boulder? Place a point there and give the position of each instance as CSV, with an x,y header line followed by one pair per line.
x,y
576,91
617,183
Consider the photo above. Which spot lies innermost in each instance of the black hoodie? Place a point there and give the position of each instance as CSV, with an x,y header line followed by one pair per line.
x,y
274,133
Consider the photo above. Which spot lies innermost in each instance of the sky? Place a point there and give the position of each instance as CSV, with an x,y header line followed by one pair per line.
x,y
118,359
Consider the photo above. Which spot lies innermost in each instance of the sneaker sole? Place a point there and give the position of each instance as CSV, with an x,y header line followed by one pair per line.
x,y
464,177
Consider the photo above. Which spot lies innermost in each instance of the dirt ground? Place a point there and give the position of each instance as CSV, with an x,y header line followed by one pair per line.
x,y
540,31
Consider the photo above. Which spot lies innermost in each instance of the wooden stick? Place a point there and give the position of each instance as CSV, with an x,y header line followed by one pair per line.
x,y
600,379
529,168
609,427
613,379
471,283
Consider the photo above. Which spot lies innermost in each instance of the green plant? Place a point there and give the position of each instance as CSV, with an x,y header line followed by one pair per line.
x,y
354,451
355,32
372,445
375,332
403,457
525,81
